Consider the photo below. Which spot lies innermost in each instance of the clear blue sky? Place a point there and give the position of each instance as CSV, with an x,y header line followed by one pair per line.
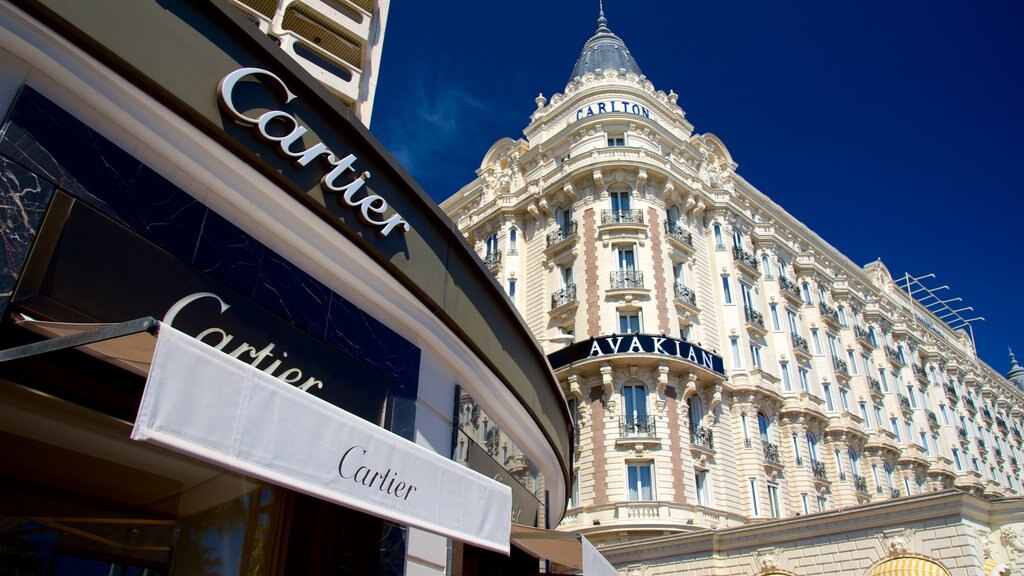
x,y
904,118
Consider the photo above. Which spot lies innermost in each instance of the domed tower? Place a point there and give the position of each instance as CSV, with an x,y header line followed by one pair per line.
x,y
1016,374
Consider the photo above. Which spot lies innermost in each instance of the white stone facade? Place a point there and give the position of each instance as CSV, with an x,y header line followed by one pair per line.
x,y
614,217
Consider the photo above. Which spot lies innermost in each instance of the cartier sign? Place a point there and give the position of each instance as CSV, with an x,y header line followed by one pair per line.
x,y
278,126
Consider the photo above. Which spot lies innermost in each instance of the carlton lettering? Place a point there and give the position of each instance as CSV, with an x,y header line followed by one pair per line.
x,y
341,177
386,482
613,106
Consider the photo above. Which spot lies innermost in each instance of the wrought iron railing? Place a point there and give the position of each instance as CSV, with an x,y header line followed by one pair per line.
x,y
919,371
933,420
961,432
703,437
904,402
893,354
789,287
771,452
800,343
981,445
741,255
894,493
685,294
986,414
860,483
753,316
563,296
863,335
637,426
564,233
828,313
492,260
951,392
840,365
627,279
675,230
874,386
819,471
622,217
970,404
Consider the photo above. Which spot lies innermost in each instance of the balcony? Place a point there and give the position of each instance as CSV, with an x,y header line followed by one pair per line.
x,y
962,435
789,290
860,483
745,260
686,296
969,402
875,387
637,427
904,403
819,471
920,374
492,260
562,234
829,315
951,392
893,355
864,337
771,453
800,345
627,280
679,235
702,437
1013,462
933,420
894,493
563,297
840,366
986,414
755,320
999,453
982,447
629,218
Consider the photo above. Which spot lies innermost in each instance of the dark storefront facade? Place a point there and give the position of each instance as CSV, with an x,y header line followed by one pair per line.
x,y
159,160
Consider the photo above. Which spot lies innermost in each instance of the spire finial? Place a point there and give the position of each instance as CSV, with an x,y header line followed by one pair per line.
x,y
1013,360
602,22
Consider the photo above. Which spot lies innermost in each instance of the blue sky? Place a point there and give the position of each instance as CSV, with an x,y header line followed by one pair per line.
x,y
904,118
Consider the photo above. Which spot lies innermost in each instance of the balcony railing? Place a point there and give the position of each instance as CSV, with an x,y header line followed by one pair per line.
x,y
982,447
753,316
919,371
1013,461
627,279
800,343
703,437
788,287
744,257
893,354
828,313
492,260
771,452
961,432
904,402
563,233
637,426
819,471
951,392
933,420
685,294
986,414
874,386
622,217
563,296
970,404
863,335
894,493
860,483
676,231
999,453
840,365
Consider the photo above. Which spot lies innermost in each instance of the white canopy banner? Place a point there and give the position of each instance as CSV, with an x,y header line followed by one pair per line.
x,y
206,404
594,563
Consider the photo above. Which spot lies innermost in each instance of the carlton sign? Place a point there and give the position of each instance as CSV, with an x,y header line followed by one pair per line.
x,y
631,344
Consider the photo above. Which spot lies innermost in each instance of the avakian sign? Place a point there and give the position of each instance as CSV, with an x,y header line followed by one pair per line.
x,y
208,405
637,344
371,206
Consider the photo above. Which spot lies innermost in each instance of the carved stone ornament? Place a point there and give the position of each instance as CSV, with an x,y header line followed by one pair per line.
x,y
1013,541
900,543
767,560
638,570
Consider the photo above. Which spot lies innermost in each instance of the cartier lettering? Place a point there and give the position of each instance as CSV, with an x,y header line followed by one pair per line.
x,y
263,358
386,482
341,177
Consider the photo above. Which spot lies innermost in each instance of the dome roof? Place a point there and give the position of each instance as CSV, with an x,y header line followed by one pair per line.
x,y
604,51
1016,374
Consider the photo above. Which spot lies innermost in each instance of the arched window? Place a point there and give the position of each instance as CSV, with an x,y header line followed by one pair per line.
x,y
854,461
889,480
805,289
871,336
673,214
737,238
766,265
842,316
634,409
513,241
695,407
812,446
719,243
764,427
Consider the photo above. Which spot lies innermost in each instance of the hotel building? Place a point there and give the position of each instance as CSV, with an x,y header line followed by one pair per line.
x,y
746,399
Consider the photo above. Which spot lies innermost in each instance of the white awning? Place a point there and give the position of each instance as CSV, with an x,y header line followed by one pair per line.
x,y
570,549
203,403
